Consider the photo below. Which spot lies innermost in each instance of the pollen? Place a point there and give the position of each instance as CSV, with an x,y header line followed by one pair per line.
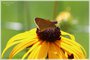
x,y
50,34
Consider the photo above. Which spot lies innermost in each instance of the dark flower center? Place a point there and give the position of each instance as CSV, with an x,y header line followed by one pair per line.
x,y
50,34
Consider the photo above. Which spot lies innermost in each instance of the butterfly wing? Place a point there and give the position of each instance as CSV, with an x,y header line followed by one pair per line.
x,y
43,24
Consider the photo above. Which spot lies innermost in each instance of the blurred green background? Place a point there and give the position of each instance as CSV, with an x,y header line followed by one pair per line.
x,y
18,16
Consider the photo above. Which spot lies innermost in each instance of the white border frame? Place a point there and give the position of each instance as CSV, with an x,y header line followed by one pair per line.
x,y
44,0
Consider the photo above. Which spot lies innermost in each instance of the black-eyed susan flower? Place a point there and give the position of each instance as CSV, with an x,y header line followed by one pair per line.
x,y
46,41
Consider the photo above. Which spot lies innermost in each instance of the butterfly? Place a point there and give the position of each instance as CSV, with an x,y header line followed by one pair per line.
x,y
43,24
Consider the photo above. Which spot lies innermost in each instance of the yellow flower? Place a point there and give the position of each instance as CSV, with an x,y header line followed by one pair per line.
x,y
49,44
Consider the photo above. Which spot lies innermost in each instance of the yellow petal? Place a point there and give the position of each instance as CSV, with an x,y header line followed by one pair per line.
x,y
9,47
72,49
70,42
65,33
14,43
74,44
20,38
55,52
67,49
33,47
33,53
21,46
42,54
